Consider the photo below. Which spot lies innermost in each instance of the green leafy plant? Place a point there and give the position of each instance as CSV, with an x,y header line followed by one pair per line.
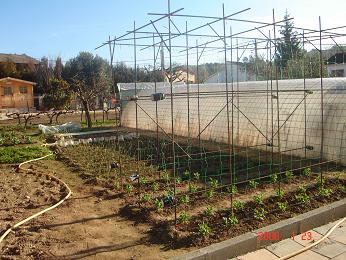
x,y
116,185
302,197
320,182
165,177
340,187
196,175
129,188
238,205
274,178
307,172
192,187
230,221
301,189
210,211
258,199
204,229
159,204
213,183
155,186
183,217
282,206
146,197
232,189
143,180
170,191
209,193
185,199
325,192
280,193
186,175
177,180
289,174
260,213
253,184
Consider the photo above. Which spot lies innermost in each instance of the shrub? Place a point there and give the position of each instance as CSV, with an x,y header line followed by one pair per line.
x,y
204,229
283,206
260,213
238,205
183,217
253,184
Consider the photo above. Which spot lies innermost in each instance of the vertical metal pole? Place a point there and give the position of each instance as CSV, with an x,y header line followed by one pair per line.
x,y
238,115
277,104
304,82
156,107
227,105
199,112
188,88
322,113
135,80
271,100
232,107
172,107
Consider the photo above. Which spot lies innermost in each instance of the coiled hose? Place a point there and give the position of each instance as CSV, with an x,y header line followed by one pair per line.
x,y
43,211
314,244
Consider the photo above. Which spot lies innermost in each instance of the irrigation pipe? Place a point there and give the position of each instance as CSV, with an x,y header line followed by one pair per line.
x,y
43,211
314,244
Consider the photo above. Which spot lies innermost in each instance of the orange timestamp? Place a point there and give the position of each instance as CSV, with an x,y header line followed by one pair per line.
x,y
275,236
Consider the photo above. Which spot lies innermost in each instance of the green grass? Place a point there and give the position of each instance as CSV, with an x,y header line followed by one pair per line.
x,y
99,123
20,154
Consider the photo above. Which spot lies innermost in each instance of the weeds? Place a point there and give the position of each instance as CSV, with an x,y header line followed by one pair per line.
x,y
280,193
196,175
155,186
146,197
213,183
129,188
289,175
209,193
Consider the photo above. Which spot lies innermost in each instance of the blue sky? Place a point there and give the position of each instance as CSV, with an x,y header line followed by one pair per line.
x,y
66,27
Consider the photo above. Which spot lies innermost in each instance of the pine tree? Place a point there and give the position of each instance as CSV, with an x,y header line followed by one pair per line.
x,y
289,46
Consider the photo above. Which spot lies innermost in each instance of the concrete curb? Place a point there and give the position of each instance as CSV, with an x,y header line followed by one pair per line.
x,y
248,242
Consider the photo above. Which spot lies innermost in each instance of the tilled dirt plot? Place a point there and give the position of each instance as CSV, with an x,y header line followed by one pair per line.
x,y
86,226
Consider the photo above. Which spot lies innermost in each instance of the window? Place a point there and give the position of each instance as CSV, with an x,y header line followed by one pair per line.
x,y
23,90
337,73
7,91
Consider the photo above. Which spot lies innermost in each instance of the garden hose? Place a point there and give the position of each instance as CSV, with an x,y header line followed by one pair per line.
x,y
314,244
43,211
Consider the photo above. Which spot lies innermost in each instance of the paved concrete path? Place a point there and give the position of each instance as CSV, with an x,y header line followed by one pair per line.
x,y
334,247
